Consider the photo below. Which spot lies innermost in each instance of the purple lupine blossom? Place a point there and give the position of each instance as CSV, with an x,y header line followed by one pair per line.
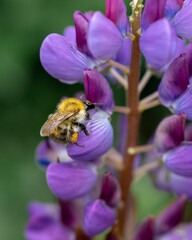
x,y
175,87
184,231
99,214
146,230
74,172
169,141
71,180
155,227
45,223
172,18
65,60
98,217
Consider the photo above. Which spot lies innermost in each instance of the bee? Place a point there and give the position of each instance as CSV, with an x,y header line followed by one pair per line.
x,y
64,125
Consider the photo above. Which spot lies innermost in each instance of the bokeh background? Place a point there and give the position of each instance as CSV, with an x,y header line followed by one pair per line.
x,y
28,94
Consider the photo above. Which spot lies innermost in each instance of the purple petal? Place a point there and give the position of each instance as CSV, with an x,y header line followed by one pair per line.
x,y
179,160
172,7
183,103
71,212
171,216
183,232
161,179
116,11
45,154
97,143
188,51
170,132
162,46
97,90
46,228
81,25
175,81
62,60
153,11
104,39
188,133
49,151
39,209
181,185
124,54
89,15
70,180
97,217
182,21
146,230
70,34
110,191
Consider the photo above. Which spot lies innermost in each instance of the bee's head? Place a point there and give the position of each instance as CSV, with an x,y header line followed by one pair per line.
x,y
89,105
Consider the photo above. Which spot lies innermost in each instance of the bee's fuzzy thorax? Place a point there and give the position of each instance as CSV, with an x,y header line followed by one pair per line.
x,y
70,105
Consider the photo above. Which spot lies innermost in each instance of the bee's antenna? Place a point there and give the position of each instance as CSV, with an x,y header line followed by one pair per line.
x,y
98,103
82,96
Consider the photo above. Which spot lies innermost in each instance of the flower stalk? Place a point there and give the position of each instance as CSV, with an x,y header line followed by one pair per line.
x,y
133,123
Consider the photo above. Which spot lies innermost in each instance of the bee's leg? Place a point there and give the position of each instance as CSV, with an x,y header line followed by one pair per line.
x,y
87,116
74,138
79,145
82,127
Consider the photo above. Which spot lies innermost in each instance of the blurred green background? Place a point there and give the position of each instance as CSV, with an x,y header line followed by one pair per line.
x,y
28,94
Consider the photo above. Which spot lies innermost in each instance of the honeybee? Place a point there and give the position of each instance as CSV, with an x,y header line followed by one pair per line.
x,y
64,125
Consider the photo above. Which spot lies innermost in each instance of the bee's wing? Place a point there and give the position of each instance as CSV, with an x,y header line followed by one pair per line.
x,y
54,121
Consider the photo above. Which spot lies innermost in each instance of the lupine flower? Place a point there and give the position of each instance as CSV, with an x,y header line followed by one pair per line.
x,y
175,87
71,180
146,230
98,217
45,223
172,18
99,214
65,60
154,227
171,216
170,142
184,231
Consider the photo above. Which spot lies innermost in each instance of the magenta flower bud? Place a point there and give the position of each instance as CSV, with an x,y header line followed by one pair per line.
x,y
146,230
110,190
153,11
98,217
178,160
171,216
81,25
116,11
170,133
97,90
188,132
70,180
103,38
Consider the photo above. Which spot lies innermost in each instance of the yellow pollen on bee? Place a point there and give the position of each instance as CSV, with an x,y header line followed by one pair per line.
x,y
74,137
